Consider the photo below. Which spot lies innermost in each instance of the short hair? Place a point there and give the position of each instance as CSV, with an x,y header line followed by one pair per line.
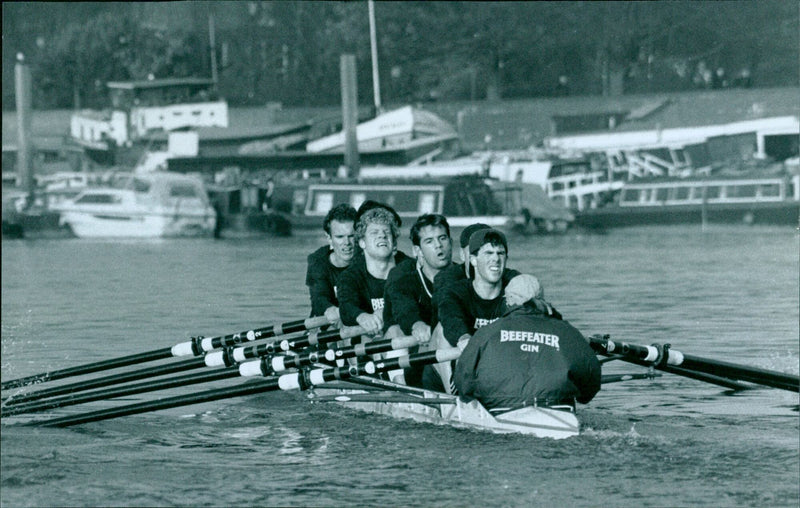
x,y
428,219
339,213
378,215
370,204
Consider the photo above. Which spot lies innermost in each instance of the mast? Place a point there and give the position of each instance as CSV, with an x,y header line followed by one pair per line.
x,y
212,43
22,83
373,43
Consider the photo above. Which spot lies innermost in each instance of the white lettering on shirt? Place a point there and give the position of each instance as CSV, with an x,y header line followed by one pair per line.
x,y
377,304
534,337
479,322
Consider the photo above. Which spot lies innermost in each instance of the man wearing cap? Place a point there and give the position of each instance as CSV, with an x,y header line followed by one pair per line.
x,y
465,305
459,271
409,287
527,357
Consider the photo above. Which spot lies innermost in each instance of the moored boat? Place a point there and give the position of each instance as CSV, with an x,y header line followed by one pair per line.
x,y
148,205
741,199
464,200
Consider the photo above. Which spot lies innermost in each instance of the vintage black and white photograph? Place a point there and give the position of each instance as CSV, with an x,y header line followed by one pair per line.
x,y
400,253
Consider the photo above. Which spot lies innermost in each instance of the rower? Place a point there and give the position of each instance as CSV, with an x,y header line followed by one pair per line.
x,y
361,285
327,263
409,287
527,358
465,305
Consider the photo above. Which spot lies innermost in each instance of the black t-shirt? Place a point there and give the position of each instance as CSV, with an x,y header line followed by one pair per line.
x,y
360,292
407,297
461,310
322,279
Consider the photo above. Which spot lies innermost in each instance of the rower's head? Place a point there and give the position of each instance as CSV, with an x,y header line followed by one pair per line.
x,y
488,252
464,239
339,226
430,239
370,204
522,289
377,233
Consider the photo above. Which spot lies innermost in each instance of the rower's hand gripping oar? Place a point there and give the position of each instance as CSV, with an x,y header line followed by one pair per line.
x,y
289,381
704,369
197,347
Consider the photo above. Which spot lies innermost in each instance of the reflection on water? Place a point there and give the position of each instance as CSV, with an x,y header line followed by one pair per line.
x,y
729,293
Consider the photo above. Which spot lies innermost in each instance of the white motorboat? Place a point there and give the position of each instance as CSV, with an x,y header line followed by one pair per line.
x,y
149,205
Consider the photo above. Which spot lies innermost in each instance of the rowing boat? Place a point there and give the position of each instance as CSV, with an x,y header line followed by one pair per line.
x,y
400,401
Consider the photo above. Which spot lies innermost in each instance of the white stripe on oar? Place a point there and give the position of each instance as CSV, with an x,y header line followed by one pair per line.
x,y
200,345
703,369
244,353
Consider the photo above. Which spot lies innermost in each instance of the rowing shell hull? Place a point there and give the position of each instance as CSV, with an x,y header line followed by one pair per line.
x,y
442,409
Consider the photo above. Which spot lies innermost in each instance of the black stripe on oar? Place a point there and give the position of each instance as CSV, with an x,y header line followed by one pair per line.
x,y
284,382
742,372
158,354
124,377
121,391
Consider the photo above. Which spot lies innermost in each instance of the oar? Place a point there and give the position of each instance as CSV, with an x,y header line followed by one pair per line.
x,y
277,364
197,346
268,366
218,358
713,371
291,381
121,391
124,377
241,354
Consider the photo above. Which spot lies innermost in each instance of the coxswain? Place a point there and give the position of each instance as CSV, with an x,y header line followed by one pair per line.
x,y
327,263
527,358
409,287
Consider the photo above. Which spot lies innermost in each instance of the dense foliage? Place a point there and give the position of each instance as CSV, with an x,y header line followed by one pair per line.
x,y
288,52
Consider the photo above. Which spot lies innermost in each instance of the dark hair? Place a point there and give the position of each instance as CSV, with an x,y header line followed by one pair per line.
x,y
429,219
370,204
339,213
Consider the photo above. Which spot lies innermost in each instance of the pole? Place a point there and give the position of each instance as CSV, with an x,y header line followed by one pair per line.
x,y
22,82
350,113
212,43
373,43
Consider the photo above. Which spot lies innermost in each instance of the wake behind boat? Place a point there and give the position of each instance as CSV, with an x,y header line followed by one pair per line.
x,y
145,205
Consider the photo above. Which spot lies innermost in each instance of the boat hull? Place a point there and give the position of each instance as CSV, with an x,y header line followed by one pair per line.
x,y
99,225
785,213
557,423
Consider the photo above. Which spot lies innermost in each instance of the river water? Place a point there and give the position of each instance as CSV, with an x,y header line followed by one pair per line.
x,y
726,292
